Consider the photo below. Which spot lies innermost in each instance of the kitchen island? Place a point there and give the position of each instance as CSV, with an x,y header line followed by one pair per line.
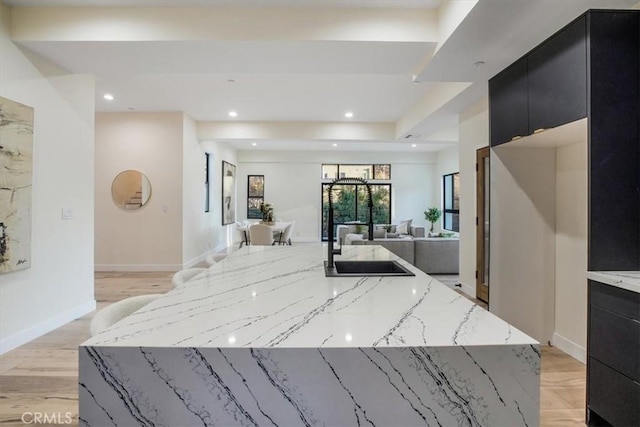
x,y
263,338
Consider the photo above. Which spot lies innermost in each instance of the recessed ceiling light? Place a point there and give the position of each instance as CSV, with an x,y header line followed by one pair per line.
x,y
233,114
348,114
231,81
334,145
108,97
478,64
414,145
254,143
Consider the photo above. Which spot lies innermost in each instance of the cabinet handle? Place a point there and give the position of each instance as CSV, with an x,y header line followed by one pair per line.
x,y
516,137
539,130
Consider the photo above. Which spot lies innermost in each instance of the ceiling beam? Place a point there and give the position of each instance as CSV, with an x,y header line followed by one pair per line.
x,y
311,131
223,23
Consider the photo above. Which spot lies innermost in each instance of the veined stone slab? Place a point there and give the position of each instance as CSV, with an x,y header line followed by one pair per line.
x,y
264,338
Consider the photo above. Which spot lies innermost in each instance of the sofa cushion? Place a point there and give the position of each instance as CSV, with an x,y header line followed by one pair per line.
x,y
402,247
403,228
437,255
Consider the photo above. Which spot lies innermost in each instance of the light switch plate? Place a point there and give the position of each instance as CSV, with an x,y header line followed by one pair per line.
x,y
67,213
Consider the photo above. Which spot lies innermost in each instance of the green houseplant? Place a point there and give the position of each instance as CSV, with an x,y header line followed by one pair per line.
x,y
432,215
267,212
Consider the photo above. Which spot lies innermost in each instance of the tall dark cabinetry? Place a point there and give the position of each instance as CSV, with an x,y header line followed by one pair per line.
x,y
614,148
591,68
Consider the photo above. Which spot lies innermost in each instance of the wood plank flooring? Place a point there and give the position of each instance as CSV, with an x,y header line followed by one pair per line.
x,y
42,375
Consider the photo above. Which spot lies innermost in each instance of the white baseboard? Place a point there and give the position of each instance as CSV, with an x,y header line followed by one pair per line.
x,y
469,290
572,349
137,267
42,328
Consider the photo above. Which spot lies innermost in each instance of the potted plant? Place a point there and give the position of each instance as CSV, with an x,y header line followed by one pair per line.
x,y
267,213
432,215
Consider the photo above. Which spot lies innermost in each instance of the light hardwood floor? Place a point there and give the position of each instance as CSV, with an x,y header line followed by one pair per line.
x,y
42,375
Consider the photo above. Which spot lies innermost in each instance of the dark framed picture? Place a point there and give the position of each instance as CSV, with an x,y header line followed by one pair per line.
x,y
228,193
207,189
255,196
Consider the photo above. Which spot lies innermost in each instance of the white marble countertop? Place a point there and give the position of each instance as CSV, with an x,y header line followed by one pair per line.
x,y
279,297
629,280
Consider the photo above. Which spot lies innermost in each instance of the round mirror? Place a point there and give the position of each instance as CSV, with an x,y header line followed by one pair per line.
x,y
131,190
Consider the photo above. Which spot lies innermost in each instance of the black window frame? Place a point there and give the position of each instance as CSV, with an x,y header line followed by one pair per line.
x,y
374,168
323,187
445,211
252,198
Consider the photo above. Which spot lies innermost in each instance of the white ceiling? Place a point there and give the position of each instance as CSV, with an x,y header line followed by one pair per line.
x,y
314,81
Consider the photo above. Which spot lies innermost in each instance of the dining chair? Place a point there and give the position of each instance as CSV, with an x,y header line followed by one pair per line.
x,y
212,259
183,276
285,236
260,234
243,228
117,311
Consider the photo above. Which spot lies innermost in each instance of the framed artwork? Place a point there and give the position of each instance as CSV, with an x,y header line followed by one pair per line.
x,y
207,163
16,163
255,196
228,193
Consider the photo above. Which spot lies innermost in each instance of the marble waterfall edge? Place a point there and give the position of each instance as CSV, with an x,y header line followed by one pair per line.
x,y
469,386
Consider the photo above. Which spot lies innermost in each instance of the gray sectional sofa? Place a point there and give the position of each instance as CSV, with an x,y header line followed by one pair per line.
x,y
433,255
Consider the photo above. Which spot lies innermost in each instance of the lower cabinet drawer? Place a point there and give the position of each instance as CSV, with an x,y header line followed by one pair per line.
x,y
620,301
615,341
613,396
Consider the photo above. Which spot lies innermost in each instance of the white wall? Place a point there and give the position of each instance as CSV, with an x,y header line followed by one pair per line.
x,y
474,134
210,233
149,238
197,225
293,184
571,250
59,285
522,266
448,162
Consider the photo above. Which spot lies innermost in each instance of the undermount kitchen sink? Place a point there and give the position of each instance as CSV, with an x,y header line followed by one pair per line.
x,y
366,268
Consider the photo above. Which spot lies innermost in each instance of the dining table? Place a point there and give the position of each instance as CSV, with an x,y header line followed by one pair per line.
x,y
277,228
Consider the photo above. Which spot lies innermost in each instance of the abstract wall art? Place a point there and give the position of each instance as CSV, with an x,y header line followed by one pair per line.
x,y
228,193
16,166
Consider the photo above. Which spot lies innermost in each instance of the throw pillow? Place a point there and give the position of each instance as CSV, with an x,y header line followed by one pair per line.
x,y
408,221
403,228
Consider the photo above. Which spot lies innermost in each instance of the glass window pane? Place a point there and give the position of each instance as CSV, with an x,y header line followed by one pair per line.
x,y
448,189
356,171
451,221
329,171
382,171
347,199
456,191
381,196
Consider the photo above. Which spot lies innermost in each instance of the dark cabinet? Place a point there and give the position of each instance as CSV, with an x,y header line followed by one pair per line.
x,y
544,89
508,113
557,76
614,143
613,366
